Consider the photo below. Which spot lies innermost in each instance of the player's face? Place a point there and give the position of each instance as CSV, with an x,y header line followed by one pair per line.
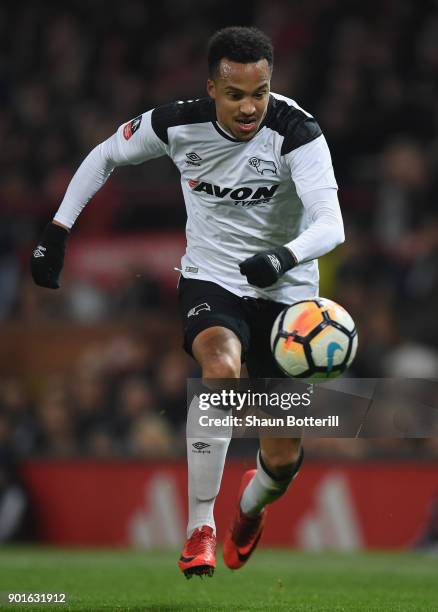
x,y
241,94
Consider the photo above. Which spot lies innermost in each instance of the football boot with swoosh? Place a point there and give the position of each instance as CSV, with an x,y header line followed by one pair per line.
x,y
245,532
199,555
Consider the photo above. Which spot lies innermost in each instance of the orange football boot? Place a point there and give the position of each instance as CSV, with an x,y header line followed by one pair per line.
x,y
245,532
198,557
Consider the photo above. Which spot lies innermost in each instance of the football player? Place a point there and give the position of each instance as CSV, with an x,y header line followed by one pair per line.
x,y
262,206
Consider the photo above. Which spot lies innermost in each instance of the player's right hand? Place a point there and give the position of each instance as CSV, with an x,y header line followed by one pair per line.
x,y
265,268
47,259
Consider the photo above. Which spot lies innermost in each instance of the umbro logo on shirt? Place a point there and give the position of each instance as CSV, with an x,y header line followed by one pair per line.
x,y
193,159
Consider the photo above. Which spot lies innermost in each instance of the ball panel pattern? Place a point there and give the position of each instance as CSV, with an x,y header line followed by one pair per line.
x,y
314,339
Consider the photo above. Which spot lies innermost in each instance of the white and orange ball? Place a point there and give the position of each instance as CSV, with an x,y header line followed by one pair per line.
x,y
314,338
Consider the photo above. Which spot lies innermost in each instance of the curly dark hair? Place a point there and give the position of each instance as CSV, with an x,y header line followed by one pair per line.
x,y
238,44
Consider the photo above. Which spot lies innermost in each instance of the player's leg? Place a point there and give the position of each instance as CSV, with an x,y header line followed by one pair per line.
x,y
218,352
278,460
214,338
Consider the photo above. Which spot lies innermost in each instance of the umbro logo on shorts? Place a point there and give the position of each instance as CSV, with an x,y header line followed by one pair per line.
x,y
197,309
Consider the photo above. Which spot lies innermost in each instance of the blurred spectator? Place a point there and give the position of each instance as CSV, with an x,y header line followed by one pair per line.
x,y
87,303
171,385
15,510
403,199
56,425
9,270
17,408
135,400
88,398
101,443
410,360
14,507
151,438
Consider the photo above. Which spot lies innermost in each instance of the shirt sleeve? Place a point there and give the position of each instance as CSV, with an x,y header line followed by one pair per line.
x,y
311,170
311,166
133,143
326,229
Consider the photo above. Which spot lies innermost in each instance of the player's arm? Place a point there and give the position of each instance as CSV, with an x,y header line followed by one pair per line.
x,y
312,173
133,143
326,229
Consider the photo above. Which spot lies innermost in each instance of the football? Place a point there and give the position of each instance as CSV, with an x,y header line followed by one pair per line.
x,y
314,338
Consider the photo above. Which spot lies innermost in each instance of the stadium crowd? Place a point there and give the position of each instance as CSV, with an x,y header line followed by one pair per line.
x,y
71,73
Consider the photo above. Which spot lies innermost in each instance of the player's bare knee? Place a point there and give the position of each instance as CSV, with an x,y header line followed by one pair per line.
x,y
220,366
282,458
218,351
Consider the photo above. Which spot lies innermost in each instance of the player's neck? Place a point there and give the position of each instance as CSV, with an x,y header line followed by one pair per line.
x,y
227,132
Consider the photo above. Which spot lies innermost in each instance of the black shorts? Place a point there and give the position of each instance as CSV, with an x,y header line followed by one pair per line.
x,y
205,304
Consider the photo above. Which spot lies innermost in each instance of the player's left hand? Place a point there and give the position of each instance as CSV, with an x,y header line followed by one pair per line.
x,y
264,269
47,259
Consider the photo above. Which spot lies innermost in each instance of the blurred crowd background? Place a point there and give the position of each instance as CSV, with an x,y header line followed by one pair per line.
x,y
97,368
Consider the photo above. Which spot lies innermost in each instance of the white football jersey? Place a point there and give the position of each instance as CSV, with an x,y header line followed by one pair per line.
x,y
241,197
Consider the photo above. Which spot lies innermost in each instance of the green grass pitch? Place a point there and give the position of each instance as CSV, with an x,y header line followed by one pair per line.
x,y
272,580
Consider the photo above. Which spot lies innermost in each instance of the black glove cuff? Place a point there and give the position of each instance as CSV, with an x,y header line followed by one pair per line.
x,y
286,258
54,235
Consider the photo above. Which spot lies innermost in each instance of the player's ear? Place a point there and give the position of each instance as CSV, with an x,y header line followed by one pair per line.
x,y
211,88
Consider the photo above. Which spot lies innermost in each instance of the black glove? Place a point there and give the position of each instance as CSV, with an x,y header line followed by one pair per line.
x,y
264,269
48,258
